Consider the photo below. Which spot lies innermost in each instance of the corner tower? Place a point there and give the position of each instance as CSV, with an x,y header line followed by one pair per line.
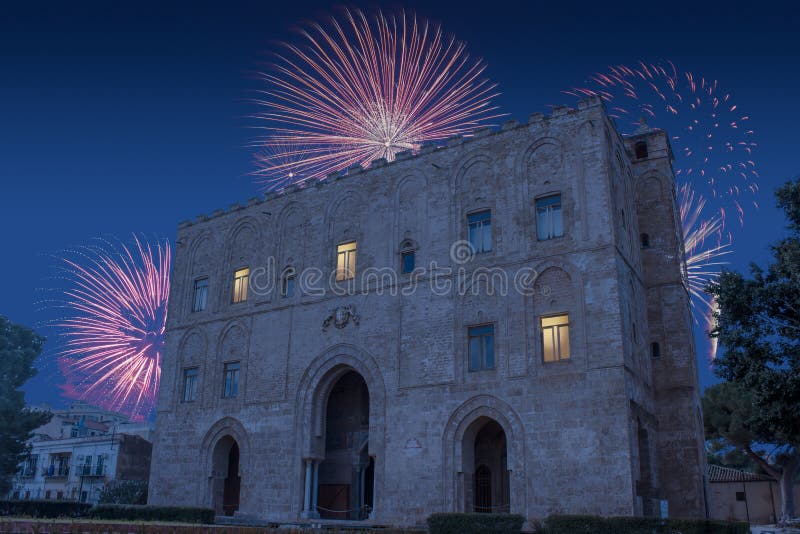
x,y
676,389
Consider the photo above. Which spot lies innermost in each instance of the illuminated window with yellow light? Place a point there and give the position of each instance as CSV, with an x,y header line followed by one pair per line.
x,y
346,261
555,337
240,279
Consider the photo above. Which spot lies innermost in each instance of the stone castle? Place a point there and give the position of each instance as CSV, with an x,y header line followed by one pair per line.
x,y
499,324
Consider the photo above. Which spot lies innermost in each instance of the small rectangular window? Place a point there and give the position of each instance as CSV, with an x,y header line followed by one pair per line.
x,y
231,385
200,294
481,347
287,285
549,223
740,496
479,226
240,281
555,338
408,261
346,261
190,384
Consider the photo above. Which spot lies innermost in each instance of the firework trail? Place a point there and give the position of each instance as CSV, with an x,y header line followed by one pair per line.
x,y
113,332
363,89
280,163
702,247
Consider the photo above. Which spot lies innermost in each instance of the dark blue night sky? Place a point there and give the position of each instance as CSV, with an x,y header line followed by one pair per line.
x,y
129,117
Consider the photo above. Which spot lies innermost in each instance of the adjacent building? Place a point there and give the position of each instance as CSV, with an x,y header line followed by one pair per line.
x,y
499,324
79,452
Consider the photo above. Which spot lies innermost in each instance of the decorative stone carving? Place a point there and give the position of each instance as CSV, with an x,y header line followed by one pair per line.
x,y
340,317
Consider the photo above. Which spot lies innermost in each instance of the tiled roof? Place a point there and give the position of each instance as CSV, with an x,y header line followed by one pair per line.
x,y
727,474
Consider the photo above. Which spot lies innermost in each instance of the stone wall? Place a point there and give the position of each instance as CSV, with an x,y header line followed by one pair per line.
x,y
572,426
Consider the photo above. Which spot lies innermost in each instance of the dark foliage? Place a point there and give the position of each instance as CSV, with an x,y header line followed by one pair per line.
x,y
49,509
124,492
132,512
588,524
475,523
19,347
758,327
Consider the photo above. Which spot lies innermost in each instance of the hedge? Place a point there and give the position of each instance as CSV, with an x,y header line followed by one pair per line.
x,y
42,508
589,524
134,512
475,523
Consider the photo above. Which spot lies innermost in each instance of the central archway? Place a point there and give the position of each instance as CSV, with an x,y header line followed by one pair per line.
x,y
314,391
342,477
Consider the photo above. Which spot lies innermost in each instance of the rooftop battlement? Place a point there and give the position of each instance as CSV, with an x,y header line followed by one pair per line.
x,y
536,119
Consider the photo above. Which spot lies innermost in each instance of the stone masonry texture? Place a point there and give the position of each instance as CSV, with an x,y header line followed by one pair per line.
x,y
611,430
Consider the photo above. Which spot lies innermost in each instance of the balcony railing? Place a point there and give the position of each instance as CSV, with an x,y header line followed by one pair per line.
x,y
92,471
60,472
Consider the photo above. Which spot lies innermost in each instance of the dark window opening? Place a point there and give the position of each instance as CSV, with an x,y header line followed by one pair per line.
x,y
641,150
645,240
655,350
740,496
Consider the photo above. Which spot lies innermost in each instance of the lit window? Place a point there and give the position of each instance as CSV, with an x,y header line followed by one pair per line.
x,y
555,338
346,261
231,386
200,294
549,222
190,384
480,230
481,347
408,261
240,279
287,284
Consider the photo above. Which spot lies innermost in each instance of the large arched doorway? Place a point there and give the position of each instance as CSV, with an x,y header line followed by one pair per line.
x,y
346,475
226,479
486,467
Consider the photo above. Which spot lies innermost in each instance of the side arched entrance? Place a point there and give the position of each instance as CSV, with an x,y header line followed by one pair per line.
x,y
484,458
226,450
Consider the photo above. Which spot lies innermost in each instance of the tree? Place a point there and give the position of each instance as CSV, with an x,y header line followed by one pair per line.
x,y
19,347
758,325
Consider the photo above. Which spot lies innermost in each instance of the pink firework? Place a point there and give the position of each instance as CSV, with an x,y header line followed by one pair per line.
x,y
114,330
712,142
363,89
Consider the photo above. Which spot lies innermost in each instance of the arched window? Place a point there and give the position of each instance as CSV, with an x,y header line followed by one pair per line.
x,y
644,239
641,150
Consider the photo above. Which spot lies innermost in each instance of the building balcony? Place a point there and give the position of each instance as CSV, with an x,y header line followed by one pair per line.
x,y
92,471
56,473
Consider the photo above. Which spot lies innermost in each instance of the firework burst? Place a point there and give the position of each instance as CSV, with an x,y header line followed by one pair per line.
x,y
113,332
713,148
712,142
363,89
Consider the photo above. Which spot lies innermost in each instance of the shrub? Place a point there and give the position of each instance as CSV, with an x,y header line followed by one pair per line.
x,y
124,492
133,512
588,524
50,509
475,523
